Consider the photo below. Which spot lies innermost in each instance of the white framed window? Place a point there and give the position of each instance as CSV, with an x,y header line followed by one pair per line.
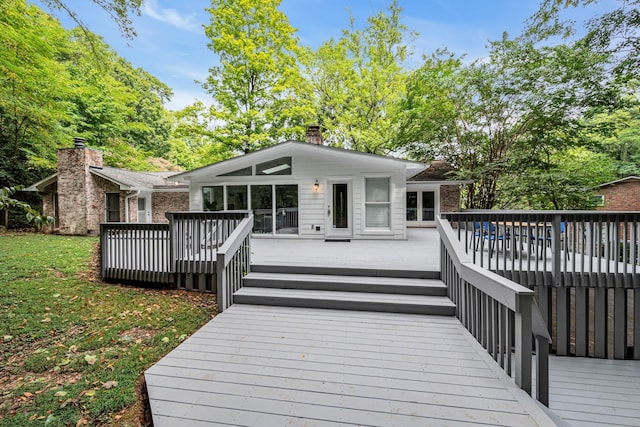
x,y
598,199
377,203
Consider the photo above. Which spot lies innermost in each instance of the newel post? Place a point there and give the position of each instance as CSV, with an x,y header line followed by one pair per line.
x,y
523,341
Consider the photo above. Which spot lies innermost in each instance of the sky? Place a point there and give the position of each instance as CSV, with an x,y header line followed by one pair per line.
x,y
171,44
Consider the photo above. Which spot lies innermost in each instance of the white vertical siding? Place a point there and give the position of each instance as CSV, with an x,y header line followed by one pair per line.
x,y
312,204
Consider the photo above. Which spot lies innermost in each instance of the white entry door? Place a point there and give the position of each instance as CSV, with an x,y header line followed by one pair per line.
x,y
339,215
142,210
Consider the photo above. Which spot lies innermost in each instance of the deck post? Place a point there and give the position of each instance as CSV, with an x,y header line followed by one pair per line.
x,y
523,345
542,370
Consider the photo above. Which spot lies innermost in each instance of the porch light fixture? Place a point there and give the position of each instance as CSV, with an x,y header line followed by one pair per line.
x,y
316,186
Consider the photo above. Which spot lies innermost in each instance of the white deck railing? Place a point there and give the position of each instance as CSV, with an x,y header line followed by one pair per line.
x,y
499,313
233,263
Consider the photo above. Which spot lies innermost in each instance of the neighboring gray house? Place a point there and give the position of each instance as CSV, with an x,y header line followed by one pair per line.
x,y
83,193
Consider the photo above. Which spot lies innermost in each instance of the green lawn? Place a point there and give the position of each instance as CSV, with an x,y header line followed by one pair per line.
x,y
73,348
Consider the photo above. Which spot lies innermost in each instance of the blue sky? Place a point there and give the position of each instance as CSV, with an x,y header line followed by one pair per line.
x,y
172,46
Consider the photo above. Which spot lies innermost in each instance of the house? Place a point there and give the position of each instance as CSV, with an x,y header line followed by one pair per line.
x,y
620,195
431,191
294,189
311,190
83,193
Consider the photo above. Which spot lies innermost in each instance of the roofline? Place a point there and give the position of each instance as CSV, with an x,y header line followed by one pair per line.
x,y
181,175
122,185
45,181
628,178
443,182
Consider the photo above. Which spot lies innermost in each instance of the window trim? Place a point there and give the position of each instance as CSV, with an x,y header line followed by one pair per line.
x,y
106,205
377,230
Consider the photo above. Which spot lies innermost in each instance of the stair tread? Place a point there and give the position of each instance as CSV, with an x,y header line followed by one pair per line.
x,y
347,296
369,280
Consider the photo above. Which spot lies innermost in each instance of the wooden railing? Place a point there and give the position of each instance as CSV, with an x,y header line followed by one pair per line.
x,y
584,267
233,263
196,237
137,252
499,313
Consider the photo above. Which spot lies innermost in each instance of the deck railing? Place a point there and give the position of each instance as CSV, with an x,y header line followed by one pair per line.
x,y
584,267
137,252
499,313
233,263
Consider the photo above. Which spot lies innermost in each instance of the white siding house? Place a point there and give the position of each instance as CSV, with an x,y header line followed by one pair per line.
x,y
308,190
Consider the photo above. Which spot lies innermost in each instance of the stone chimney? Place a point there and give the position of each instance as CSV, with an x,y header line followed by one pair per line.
x,y
76,187
314,136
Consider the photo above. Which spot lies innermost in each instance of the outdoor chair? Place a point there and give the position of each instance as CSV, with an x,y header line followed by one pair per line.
x,y
487,231
548,239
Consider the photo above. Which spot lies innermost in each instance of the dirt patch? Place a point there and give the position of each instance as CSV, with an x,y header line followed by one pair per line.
x,y
137,334
138,414
92,273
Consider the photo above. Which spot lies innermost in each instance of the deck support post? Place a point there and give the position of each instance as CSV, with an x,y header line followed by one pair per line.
x,y
523,342
542,370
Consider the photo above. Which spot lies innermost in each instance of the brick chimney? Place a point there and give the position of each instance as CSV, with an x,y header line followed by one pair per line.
x,y
76,186
314,136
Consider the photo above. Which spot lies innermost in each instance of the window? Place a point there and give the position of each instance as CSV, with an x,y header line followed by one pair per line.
x,y
377,203
237,197
428,206
113,207
213,198
286,209
281,166
598,200
412,205
248,171
262,205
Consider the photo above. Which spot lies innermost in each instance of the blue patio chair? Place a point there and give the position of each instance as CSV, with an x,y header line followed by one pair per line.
x,y
549,238
492,236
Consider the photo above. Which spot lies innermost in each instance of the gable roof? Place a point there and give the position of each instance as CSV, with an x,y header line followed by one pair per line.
x,y
284,149
619,181
126,179
437,171
131,180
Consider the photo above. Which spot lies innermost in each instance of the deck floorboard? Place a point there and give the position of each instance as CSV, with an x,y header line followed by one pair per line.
x,y
273,366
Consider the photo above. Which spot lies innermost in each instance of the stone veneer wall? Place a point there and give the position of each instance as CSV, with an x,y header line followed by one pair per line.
x,y
449,198
48,208
97,202
74,186
623,196
168,201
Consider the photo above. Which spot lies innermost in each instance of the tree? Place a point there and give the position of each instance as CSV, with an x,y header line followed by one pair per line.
x,y
7,202
255,87
33,92
499,118
615,33
357,82
119,11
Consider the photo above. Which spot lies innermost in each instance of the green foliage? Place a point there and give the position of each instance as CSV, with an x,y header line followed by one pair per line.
x,y
358,81
32,216
33,91
500,119
72,348
256,85
614,33
118,10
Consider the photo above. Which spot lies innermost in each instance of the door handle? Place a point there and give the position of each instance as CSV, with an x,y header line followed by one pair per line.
x,y
329,210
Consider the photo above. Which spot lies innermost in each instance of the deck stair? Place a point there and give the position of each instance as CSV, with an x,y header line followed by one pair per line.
x,y
346,289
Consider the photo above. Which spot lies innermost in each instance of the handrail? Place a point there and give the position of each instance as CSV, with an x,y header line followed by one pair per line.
x,y
233,262
589,260
481,309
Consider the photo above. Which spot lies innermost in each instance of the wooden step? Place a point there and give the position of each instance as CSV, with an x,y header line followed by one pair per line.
x,y
359,301
345,271
389,285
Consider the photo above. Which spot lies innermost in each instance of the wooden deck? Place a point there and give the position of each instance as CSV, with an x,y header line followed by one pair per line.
x,y
595,392
276,366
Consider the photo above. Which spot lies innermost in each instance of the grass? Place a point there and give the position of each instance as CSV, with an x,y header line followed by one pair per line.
x,y
74,349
